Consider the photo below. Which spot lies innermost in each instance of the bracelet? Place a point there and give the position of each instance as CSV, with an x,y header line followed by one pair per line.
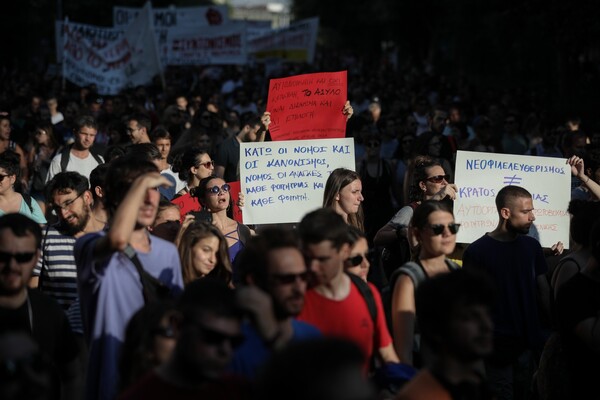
x,y
588,179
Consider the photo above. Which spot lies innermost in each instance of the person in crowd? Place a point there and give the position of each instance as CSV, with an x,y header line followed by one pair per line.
x,y
376,178
149,342
434,145
588,181
149,151
203,252
207,332
275,279
30,311
513,141
162,139
434,229
138,128
45,147
227,159
12,201
79,156
578,310
454,313
403,158
213,194
517,266
326,369
358,262
122,268
7,144
326,244
194,165
430,182
97,182
343,194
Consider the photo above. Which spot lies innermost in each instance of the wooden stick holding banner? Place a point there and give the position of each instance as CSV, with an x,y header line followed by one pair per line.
x,y
308,106
284,180
480,176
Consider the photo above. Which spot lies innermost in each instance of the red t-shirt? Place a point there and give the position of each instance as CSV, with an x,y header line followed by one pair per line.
x,y
348,319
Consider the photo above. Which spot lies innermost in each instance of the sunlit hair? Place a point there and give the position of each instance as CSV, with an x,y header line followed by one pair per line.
x,y
421,214
339,179
420,168
182,163
190,237
508,194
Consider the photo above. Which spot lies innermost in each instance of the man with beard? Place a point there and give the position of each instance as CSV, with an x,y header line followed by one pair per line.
x,y
275,274
56,273
517,266
27,311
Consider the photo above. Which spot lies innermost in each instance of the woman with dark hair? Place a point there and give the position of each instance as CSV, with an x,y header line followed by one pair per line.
x,y
213,194
203,252
358,263
343,194
434,230
12,201
45,147
193,165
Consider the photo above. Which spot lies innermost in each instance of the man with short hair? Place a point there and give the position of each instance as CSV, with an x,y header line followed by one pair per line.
x,y
138,128
119,269
227,159
208,330
517,266
80,156
275,275
162,139
336,305
32,312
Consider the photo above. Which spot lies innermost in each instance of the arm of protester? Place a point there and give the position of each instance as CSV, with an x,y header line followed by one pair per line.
x,y
348,111
125,219
578,170
241,199
403,318
448,191
265,120
556,249
388,354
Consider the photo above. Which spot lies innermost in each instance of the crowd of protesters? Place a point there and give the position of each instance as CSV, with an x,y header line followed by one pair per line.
x,y
124,274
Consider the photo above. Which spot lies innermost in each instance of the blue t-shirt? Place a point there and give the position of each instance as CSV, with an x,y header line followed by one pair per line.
x,y
110,292
253,353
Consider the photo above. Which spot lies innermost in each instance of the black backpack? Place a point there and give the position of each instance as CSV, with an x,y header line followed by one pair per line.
x,y
66,153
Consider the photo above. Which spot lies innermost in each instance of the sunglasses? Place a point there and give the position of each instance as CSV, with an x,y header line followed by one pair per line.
x,y
356,260
438,178
208,164
438,229
2,176
216,338
216,190
19,257
287,279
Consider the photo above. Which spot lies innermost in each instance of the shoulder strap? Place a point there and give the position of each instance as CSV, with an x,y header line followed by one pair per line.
x,y
452,266
64,158
366,293
27,199
44,254
152,288
96,156
413,270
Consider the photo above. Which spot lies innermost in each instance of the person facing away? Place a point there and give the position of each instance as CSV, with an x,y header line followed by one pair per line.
x,y
335,305
274,280
517,267
109,283
454,312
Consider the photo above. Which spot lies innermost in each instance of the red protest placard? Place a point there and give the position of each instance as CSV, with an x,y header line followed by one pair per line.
x,y
308,106
234,192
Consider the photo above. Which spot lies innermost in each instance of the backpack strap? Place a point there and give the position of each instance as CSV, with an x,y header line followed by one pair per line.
x,y
64,158
413,270
27,199
367,294
96,157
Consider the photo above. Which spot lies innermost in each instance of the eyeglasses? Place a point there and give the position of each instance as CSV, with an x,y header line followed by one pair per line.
x,y
216,190
2,176
438,229
216,338
356,260
207,164
19,257
67,204
287,279
438,178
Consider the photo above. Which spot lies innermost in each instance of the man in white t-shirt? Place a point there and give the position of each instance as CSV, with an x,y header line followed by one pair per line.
x,y
80,157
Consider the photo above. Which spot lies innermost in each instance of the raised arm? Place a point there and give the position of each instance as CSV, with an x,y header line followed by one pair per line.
x,y
578,170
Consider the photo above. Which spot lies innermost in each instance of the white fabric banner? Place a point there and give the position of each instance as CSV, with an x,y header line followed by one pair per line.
x,y
224,44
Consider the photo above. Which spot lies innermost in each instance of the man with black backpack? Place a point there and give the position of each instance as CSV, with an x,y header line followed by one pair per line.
x,y
339,305
79,156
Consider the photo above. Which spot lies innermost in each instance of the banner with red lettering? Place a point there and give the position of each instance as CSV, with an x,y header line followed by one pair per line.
x,y
308,106
224,44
